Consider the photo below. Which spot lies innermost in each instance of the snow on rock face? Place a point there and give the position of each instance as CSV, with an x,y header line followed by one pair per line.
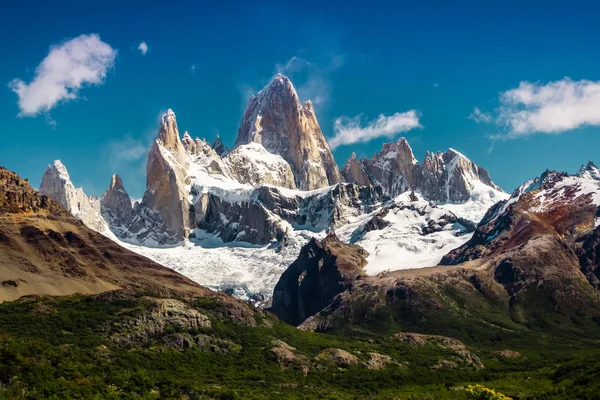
x,y
448,177
276,119
406,234
254,165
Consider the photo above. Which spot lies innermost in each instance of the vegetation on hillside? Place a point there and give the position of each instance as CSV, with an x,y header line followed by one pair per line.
x,y
137,347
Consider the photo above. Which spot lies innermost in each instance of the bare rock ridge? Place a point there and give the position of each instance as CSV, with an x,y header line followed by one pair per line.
x,y
443,177
276,119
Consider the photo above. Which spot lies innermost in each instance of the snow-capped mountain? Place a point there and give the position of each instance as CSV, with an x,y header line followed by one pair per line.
x,y
442,177
235,219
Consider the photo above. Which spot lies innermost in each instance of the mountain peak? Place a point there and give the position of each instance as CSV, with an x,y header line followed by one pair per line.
x,y
169,115
116,182
590,171
276,119
59,168
168,133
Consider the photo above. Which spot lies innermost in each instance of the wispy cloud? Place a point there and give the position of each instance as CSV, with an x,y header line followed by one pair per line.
x,y
480,116
550,108
311,80
193,70
143,48
67,68
127,150
352,130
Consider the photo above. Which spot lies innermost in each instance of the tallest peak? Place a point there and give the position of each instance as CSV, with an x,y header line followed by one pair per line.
x,y
168,116
280,82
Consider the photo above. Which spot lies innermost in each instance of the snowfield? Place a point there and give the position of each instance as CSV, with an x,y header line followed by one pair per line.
x,y
251,272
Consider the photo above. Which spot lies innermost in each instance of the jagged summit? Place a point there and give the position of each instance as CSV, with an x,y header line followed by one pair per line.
x,y
590,171
443,176
275,118
115,182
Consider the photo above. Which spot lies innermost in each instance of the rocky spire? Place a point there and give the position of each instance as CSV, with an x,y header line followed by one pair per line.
x,y
117,201
166,177
276,119
219,147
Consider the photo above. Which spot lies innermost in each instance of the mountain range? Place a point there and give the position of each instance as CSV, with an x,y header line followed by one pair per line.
x,y
395,272
261,201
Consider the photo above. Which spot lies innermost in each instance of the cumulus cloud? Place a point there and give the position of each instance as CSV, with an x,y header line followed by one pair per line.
x,y
143,48
67,68
480,117
352,130
552,108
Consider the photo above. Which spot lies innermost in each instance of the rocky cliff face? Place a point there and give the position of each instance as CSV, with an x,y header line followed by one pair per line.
x,y
276,119
442,177
117,201
57,185
167,177
323,269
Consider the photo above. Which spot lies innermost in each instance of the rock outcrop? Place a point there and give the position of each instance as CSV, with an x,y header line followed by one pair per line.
x,y
16,196
443,177
276,119
323,269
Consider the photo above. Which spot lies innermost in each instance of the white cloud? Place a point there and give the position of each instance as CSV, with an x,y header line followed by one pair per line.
x,y
193,70
143,48
480,116
349,130
67,68
552,108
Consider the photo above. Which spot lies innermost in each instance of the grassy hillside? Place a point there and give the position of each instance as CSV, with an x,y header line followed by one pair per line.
x,y
122,345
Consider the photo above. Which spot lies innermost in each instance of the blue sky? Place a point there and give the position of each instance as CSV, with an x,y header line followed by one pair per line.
x,y
351,59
